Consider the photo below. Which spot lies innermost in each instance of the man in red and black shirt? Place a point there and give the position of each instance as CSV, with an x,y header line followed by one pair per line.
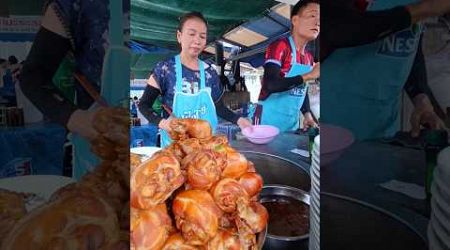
x,y
283,93
278,58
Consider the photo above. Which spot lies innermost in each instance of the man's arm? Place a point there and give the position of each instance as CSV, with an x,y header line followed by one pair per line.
x,y
273,82
306,106
345,26
417,86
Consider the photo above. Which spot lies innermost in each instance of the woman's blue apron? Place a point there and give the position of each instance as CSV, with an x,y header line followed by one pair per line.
x,y
115,86
185,105
283,109
362,85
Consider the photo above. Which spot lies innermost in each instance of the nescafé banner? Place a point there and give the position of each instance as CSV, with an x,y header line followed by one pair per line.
x,y
20,24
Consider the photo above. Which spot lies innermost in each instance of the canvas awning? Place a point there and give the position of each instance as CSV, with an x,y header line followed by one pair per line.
x,y
244,28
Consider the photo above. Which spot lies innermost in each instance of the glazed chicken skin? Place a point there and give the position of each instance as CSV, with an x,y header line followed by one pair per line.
x,y
149,229
202,170
225,240
236,165
177,242
12,209
216,143
92,184
251,167
227,220
112,125
252,183
196,216
227,192
135,160
190,145
253,214
189,128
233,164
210,188
78,221
85,215
175,149
155,180
247,238
109,119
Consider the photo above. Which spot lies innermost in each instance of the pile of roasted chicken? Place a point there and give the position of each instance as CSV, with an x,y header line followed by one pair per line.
x,y
198,193
90,214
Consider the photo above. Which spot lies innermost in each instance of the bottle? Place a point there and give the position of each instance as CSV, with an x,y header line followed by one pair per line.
x,y
435,141
312,133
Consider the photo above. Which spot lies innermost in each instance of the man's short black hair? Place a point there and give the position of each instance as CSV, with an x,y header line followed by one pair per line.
x,y
300,5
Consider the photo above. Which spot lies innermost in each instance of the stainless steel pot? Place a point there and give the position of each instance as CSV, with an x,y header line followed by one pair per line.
x,y
274,242
279,171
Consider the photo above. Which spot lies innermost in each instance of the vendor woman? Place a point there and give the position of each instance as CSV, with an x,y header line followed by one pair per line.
x,y
189,87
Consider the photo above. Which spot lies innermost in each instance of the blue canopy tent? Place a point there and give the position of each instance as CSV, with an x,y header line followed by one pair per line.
x,y
17,35
19,22
145,56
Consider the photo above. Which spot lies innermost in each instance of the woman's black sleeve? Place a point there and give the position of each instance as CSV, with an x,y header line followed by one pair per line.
x,y
46,54
146,103
225,112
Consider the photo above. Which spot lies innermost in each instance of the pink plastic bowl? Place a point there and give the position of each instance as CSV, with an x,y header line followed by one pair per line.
x,y
334,141
261,134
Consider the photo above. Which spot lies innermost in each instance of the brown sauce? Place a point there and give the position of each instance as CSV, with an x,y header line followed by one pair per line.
x,y
288,217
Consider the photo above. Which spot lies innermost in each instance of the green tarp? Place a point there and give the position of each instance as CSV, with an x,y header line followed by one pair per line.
x,y
155,21
141,64
22,7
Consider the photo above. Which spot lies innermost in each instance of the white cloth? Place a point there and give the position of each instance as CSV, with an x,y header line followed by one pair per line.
x,y
437,59
410,189
30,113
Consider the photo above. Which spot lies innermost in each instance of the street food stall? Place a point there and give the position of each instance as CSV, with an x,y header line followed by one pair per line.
x,y
255,188
236,48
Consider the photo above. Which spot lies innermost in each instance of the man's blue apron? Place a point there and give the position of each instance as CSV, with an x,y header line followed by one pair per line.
x,y
282,109
115,86
362,85
199,105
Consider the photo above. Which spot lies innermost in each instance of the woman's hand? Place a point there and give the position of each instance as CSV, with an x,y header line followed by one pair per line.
x,y
309,121
427,8
165,124
81,122
313,74
243,123
424,114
